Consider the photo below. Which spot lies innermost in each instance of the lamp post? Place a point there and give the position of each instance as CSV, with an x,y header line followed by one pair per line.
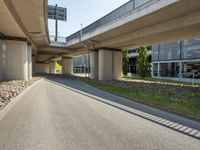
x,y
85,66
56,23
81,32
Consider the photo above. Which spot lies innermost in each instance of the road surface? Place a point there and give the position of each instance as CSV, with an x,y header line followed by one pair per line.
x,y
52,117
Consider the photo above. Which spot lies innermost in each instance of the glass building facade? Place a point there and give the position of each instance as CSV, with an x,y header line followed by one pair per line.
x,y
177,59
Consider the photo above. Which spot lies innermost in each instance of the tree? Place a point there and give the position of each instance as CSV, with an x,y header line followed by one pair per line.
x,y
125,62
142,62
59,62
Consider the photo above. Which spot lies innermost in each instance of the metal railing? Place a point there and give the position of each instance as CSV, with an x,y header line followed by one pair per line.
x,y
117,13
59,39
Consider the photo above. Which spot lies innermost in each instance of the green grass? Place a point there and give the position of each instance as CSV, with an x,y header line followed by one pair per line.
x,y
165,100
136,77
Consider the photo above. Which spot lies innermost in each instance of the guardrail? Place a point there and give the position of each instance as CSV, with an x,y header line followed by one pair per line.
x,y
117,13
59,39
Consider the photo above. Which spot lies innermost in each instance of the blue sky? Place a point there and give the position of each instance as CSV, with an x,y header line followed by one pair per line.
x,y
82,11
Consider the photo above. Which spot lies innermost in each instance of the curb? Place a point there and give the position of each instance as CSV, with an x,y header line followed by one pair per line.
x,y
14,100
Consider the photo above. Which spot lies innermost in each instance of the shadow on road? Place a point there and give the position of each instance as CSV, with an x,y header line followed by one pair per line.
x,y
177,123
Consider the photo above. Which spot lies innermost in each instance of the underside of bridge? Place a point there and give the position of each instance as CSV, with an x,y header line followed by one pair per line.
x,y
24,37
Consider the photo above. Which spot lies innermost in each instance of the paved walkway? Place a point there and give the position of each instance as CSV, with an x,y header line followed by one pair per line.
x,y
60,114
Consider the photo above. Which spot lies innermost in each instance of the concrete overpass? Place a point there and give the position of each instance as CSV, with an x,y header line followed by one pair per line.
x,y
133,25
136,23
24,38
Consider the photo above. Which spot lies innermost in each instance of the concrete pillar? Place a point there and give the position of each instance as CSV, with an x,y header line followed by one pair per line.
x,y
110,64
158,69
94,65
29,61
52,67
14,60
67,65
1,61
33,65
46,68
42,68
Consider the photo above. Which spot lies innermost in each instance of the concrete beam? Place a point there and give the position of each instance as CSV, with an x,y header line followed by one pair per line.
x,y
169,28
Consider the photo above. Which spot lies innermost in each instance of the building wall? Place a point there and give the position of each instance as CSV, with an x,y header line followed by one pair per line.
x,y
81,64
179,50
177,59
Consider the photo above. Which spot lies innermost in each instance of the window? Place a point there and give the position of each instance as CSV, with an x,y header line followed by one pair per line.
x,y
169,51
191,49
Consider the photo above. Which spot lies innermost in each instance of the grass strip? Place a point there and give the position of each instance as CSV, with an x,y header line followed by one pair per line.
x,y
165,100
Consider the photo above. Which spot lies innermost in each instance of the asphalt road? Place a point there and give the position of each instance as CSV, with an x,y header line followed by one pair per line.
x,y
52,117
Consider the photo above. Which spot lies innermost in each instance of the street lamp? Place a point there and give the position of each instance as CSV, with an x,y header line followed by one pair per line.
x,y
85,66
81,32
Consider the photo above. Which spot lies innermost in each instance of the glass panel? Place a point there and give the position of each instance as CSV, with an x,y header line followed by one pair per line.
x,y
155,69
169,69
169,51
188,68
191,49
154,53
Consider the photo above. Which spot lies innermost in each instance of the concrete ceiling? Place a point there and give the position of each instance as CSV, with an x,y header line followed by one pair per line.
x,y
8,25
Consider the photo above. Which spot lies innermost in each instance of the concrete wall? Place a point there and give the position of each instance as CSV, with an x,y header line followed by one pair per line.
x,y
14,60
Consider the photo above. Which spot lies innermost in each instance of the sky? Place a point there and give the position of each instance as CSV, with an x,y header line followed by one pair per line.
x,y
81,12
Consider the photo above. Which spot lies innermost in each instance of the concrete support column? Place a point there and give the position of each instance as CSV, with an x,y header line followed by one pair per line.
x,y
1,78
14,60
33,65
29,61
110,64
94,65
42,68
67,65
158,69
46,68
52,67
